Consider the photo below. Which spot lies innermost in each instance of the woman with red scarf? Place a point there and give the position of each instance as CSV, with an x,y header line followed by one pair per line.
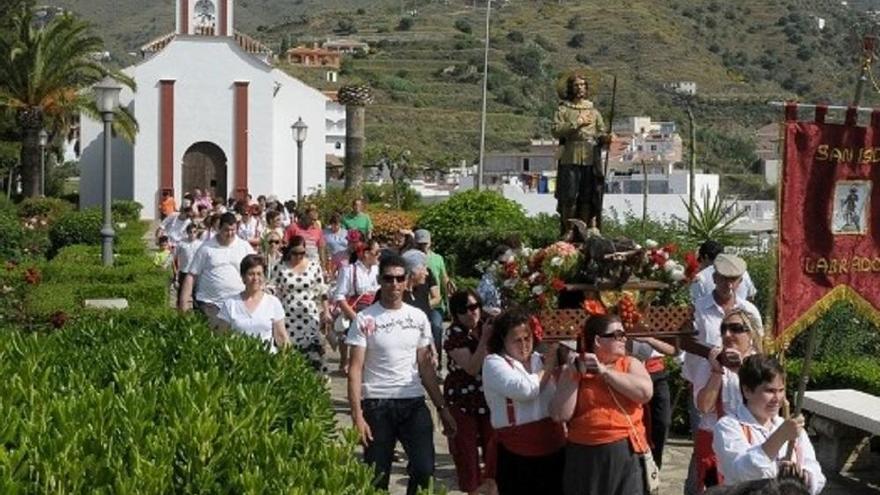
x,y
518,384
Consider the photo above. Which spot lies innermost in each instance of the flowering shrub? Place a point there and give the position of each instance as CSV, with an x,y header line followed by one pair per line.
x,y
387,222
534,278
661,265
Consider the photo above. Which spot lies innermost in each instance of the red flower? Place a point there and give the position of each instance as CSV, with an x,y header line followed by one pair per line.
x,y
542,300
511,269
657,258
692,266
32,276
594,307
58,319
537,329
670,248
557,284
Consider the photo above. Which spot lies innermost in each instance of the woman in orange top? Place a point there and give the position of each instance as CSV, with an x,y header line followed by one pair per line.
x,y
600,395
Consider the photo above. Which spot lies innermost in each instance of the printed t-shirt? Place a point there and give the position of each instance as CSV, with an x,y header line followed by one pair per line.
x,y
391,338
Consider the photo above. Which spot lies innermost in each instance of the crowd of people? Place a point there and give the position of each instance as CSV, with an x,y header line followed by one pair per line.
x,y
589,416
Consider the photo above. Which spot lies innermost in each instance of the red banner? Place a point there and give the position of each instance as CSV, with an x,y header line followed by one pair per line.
x,y
829,240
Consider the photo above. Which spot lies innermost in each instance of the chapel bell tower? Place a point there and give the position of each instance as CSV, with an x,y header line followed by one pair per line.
x,y
204,17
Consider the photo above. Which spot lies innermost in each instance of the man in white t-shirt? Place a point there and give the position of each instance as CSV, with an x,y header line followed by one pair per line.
x,y
709,311
390,363
704,281
175,225
215,267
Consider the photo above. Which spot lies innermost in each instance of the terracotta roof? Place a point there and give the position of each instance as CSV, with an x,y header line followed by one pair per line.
x,y
246,43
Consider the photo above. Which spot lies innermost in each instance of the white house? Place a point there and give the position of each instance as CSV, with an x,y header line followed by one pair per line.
x,y
213,114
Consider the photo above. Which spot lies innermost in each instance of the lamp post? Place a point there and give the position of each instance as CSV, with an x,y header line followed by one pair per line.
x,y
299,129
44,138
107,98
479,183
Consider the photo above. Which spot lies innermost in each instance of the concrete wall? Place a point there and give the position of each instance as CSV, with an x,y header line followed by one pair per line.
x,y
335,129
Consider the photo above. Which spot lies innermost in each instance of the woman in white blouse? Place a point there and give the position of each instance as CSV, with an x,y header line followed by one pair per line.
x,y
518,384
752,441
356,288
716,388
254,312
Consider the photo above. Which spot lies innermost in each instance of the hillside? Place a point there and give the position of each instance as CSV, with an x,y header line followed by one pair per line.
x,y
426,68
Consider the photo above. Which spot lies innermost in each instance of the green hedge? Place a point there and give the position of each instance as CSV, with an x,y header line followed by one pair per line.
x,y
76,227
128,405
47,208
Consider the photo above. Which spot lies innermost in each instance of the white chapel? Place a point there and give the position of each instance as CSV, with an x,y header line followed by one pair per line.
x,y
213,114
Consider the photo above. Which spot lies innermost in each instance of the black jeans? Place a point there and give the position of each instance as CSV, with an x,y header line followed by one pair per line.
x,y
406,420
661,414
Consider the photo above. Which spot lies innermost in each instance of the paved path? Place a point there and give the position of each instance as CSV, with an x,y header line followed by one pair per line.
x,y
675,457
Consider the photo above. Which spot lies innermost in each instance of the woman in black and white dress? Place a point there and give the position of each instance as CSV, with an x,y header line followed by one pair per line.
x,y
299,283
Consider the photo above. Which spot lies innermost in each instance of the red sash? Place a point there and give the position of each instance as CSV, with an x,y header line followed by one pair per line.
x,y
707,461
535,439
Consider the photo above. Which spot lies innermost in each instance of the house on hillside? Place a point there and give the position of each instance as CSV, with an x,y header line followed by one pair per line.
x,y
213,114
768,143
314,56
641,140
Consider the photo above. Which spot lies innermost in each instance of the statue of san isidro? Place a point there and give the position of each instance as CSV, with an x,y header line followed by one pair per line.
x,y
580,180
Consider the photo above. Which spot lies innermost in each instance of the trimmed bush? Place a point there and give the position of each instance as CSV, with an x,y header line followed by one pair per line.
x,y
126,211
165,406
10,241
387,222
468,226
49,209
76,227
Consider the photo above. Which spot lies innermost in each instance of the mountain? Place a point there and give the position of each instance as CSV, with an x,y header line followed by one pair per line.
x,y
426,62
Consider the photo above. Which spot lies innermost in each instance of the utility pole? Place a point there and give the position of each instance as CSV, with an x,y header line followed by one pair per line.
x,y
479,182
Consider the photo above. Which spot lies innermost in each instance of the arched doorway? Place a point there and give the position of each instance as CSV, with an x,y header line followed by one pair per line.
x,y
204,167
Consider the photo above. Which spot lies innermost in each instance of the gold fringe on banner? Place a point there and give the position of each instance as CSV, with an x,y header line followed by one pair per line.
x,y
841,293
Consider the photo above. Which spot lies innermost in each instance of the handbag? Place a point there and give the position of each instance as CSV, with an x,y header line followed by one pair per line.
x,y
650,471
357,302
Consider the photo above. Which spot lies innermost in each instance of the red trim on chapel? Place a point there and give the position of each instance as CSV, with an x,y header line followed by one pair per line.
x,y
224,17
184,16
166,133
241,139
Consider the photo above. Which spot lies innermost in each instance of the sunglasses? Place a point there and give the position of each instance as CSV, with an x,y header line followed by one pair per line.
x,y
616,335
297,253
733,328
472,307
388,279
273,241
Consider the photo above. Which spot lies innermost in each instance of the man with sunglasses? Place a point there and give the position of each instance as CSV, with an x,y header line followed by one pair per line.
x,y
390,368
709,311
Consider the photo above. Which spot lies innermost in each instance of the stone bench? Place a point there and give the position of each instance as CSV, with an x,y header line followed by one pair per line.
x,y
844,420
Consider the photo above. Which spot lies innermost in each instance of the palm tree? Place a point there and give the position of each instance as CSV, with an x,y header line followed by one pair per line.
x,y
45,76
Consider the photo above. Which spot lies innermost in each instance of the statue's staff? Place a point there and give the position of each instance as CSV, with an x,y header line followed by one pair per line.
x,y
610,128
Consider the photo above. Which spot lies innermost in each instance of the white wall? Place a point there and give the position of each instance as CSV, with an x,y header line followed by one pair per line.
x,y
205,70
335,128
295,100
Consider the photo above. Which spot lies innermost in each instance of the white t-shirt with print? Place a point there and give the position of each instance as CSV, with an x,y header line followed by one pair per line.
x,y
257,324
219,270
391,338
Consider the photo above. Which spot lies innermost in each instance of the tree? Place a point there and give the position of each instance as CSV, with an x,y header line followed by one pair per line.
x,y
43,74
399,165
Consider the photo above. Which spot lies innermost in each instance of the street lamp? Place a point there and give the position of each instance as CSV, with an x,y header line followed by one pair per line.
x,y
299,129
107,98
44,138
